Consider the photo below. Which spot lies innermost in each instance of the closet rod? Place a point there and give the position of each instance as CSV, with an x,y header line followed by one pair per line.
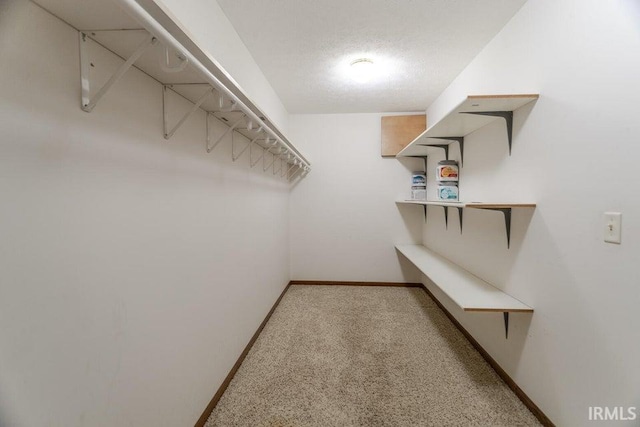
x,y
146,20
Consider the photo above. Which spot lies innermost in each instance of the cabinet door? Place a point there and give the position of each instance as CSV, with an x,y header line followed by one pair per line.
x,y
398,131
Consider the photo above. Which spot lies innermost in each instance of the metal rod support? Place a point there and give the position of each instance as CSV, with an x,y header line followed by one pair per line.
x,y
230,108
165,64
89,103
460,217
222,108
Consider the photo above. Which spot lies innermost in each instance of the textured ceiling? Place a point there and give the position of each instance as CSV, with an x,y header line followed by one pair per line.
x,y
303,48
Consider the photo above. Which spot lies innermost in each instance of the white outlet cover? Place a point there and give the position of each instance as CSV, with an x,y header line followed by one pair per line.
x,y
612,227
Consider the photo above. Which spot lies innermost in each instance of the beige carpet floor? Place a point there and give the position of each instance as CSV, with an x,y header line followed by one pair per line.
x,y
365,356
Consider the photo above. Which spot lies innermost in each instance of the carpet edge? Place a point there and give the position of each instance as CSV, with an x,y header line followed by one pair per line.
x,y
353,283
223,387
526,400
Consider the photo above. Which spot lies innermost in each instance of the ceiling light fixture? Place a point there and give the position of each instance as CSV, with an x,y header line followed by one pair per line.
x,y
362,70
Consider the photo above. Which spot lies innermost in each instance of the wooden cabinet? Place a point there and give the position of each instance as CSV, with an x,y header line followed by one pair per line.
x,y
399,131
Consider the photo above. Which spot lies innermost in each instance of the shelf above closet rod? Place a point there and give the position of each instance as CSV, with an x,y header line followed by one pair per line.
x,y
146,36
159,22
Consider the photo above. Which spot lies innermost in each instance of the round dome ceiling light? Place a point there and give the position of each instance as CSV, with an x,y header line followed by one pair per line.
x,y
362,70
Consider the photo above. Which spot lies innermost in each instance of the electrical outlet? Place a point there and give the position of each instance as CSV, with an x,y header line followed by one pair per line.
x,y
612,227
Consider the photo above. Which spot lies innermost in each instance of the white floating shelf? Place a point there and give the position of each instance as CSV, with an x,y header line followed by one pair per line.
x,y
469,292
473,113
504,208
472,205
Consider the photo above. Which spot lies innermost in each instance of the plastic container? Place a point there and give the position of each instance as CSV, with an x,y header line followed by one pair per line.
x,y
418,192
447,170
419,179
448,191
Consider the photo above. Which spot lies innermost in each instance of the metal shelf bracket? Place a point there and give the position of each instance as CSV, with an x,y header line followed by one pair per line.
x,y
424,159
506,115
505,316
234,156
88,103
275,172
273,160
168,133
251,161
507,221
285,169
221,137
446,216
458,139
295,173
289,170
445,147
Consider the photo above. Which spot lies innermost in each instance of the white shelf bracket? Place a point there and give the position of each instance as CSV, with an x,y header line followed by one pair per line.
x,y
275,172
165,111
258,159
295,173
225,133
273,160
88,103
235,157
289,171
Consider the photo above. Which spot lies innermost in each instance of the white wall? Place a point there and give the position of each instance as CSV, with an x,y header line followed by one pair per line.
x,y
125,296
343,219
574,154
207,23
